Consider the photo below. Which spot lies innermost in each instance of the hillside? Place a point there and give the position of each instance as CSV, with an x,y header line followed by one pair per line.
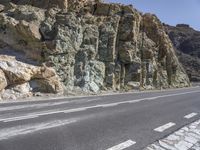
x,y
83,46
187,42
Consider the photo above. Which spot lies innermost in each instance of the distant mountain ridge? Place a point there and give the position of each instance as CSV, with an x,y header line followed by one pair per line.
x,y
187,42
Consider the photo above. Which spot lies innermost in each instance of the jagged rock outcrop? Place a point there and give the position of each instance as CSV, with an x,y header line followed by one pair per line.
x,y
19,79
92,45
186,40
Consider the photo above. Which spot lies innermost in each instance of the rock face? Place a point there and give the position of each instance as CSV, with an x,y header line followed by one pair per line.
x,y
20,79
91,45
186,41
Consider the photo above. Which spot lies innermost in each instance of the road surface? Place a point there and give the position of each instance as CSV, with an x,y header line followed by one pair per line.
x,y
129,121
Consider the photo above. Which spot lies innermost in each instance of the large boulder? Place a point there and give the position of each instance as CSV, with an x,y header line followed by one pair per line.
x,y
14,73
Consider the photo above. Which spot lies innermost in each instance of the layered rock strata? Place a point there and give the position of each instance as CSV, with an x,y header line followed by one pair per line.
x,y
92,45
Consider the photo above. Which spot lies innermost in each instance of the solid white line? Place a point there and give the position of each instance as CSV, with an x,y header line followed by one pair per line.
x,y
56,111
190,115
165,127
123,145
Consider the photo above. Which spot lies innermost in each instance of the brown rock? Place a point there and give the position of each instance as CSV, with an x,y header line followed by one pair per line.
x,y
29,31
3,81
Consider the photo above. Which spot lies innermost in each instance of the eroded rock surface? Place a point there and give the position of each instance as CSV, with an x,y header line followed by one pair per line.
x,y
91,45
20,79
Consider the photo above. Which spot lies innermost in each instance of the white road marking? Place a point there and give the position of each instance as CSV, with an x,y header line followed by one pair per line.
x,y
56,111
123,145
190,115
42,105
7,133
170,95
29,116
20,118
152,98
30,106
165,127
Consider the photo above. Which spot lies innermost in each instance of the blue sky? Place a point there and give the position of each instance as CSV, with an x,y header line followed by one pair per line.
x,y
169,11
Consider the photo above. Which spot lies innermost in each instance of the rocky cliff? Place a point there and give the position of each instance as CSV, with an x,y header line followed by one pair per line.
x,y
83,46
187,43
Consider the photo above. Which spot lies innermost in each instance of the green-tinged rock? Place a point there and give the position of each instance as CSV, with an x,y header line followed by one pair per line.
x,y
85,46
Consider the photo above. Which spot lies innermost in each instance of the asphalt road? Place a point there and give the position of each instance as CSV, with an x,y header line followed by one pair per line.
x,y
113,122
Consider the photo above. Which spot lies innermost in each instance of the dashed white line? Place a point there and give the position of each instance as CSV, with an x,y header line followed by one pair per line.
x,y
123,145
189,116
165,127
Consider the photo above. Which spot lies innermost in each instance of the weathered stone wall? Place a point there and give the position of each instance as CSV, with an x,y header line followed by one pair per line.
x,y
94,46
